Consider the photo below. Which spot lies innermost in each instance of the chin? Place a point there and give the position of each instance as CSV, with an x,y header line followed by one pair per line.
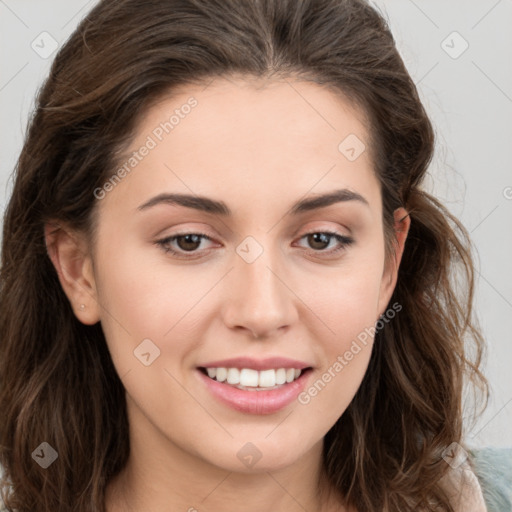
x,y
260,454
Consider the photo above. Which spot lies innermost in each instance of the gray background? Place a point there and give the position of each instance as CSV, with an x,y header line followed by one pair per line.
x,y
468,95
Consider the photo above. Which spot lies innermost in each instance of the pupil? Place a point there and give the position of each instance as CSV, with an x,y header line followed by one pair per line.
x,y
321,238
195,242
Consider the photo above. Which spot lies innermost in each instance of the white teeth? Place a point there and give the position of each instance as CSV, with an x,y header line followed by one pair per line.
x,y
233,376
249,378
222,374
267,379
280,376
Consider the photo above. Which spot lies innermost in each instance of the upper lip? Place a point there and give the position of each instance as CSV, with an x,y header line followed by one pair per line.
x,y
257,364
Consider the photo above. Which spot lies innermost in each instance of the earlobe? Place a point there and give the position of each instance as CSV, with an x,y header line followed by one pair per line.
x,y
402,222
68,252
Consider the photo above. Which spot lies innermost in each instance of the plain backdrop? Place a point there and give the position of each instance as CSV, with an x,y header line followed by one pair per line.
x,y
459,54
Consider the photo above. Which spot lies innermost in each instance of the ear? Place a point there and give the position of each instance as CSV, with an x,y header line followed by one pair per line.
x,y
402,222
69,254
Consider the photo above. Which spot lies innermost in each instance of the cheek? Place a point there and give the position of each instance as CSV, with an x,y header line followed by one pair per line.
x,y
347,301
345,354
143,296
348,305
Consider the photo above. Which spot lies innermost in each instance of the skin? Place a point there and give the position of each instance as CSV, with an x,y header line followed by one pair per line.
x,y
259,148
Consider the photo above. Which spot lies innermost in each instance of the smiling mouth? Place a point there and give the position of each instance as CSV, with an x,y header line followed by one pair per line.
x,y
248,379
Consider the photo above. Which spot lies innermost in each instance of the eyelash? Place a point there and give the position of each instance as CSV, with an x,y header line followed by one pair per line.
x,y
344,241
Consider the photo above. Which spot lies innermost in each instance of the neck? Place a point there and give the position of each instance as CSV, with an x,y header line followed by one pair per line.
x,y
161,476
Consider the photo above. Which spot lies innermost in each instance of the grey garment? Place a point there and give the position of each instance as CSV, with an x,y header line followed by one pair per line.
x,y
493,467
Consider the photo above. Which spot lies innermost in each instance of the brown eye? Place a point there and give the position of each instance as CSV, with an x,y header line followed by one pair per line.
x,y
188,242
319,242
180,244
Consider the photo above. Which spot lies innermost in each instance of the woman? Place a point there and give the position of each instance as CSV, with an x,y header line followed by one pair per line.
x,y
223,286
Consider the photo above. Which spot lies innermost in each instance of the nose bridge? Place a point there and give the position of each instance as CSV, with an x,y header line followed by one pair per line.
x,y
260,301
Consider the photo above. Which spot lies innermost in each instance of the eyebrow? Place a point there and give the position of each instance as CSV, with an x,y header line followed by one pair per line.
x,y
208,205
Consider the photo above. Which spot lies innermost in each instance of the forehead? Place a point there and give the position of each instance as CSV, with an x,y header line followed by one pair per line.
x,y
250,140
240,112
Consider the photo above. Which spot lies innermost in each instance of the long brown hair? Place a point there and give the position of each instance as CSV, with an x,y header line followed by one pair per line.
x,y
58,382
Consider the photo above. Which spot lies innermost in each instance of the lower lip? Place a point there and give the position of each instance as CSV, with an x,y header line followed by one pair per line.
x,y
256,402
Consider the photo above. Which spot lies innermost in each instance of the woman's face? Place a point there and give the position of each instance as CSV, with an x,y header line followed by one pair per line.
x,y
260,294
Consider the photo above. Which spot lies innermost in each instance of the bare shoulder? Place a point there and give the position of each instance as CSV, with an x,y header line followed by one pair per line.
x,y
463,488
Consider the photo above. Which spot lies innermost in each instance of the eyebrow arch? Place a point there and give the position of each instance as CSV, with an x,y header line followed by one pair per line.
x,y
208,205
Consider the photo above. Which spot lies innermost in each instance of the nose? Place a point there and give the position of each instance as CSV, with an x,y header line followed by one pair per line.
x,y
259,299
